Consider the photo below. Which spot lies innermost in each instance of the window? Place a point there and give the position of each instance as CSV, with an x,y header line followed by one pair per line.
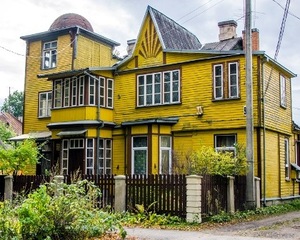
x,y
158,88
49,54
65,156
45,104
91,91
105,156
66,92
57,93
89,156
286,159
282,91
106,92
225,83
165,165
76,143
74,91
139,155
225,143
81,91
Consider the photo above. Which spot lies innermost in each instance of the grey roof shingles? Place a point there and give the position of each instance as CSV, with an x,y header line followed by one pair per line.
x,y
173,35
225,45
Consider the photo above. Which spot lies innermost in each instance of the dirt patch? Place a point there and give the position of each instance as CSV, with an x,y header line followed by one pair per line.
x,y
285,226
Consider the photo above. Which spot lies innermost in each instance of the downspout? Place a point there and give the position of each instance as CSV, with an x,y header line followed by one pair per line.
x,y
264,130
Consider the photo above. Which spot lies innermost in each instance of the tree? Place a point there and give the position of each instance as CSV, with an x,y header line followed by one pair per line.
x,y
14,159
6,132
14,104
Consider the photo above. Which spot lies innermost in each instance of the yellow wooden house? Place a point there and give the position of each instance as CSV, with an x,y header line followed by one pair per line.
x,y
146,112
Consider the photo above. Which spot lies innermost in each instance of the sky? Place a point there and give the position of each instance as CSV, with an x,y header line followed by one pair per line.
x,y
120,20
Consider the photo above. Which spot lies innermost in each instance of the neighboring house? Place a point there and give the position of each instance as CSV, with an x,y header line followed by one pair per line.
x,y
12,122
168,97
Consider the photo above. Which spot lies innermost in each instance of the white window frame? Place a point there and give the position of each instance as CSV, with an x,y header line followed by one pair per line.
x,y
134,149
57,93
287,159
92,91
102,93
169,150
65,157
89,156
282,91
105,156
221,83
81,85
45,104
76,143
66,92
49,54
225,148
236,76
153,88
74,91
110,93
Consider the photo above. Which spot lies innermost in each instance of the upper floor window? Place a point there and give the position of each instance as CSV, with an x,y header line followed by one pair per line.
x,y
49,54
45,104
106,92
225,143
226,83
83,90
158,88
282,91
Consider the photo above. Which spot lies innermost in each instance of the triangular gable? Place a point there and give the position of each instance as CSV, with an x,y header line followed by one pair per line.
x,y
158,33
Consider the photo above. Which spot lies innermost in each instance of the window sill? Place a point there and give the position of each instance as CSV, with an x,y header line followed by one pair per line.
x,y
226,99
45,117
159,105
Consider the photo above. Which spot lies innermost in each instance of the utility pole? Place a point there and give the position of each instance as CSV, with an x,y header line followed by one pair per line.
x,y
250,201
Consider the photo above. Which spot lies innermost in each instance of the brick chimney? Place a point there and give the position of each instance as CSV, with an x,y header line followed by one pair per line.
x,y
255,39
227,30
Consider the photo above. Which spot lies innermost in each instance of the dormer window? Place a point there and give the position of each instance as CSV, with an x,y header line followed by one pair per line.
x,y
49,54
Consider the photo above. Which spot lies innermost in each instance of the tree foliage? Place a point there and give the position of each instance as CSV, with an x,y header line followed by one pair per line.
x,y
14,104
6,132
15,158
208,161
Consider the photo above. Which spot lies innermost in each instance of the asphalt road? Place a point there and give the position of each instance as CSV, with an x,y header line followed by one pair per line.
x,y
284,226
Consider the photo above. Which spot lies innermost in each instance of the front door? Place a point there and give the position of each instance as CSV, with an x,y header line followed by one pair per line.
x,y
76,157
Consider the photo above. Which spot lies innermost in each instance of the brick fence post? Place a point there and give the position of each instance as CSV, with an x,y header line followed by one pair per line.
x,y
8,192
120,193
257,192
230,195
193,198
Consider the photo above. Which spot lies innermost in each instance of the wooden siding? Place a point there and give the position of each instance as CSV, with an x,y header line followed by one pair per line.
x,y
93,54
277,118
81,113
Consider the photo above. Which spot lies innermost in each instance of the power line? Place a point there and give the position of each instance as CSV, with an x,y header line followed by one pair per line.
x,y
282,27
290,13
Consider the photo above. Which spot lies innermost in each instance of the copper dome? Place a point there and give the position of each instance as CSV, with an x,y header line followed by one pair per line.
x,y
71,20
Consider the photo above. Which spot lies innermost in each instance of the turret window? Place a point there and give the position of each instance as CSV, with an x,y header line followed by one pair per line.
x,y
49,54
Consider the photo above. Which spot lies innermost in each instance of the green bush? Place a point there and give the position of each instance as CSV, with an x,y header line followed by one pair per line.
x,y
58,211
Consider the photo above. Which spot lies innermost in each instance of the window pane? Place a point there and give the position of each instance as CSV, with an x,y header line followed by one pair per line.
x,y
165,161
165,141
140,142
140,161
225,141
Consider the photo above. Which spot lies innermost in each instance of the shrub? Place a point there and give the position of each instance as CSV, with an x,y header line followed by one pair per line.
x,y
59,211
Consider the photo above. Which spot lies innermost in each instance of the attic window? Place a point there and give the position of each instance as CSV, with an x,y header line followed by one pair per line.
x,y
49,54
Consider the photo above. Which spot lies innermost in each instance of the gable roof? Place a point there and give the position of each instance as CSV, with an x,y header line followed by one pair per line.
x,y
171,34
11,121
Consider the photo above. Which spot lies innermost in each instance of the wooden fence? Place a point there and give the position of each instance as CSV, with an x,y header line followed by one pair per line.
x,y
163,194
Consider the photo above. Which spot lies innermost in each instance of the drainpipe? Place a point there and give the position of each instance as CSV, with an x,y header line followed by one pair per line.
x,y
264,129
